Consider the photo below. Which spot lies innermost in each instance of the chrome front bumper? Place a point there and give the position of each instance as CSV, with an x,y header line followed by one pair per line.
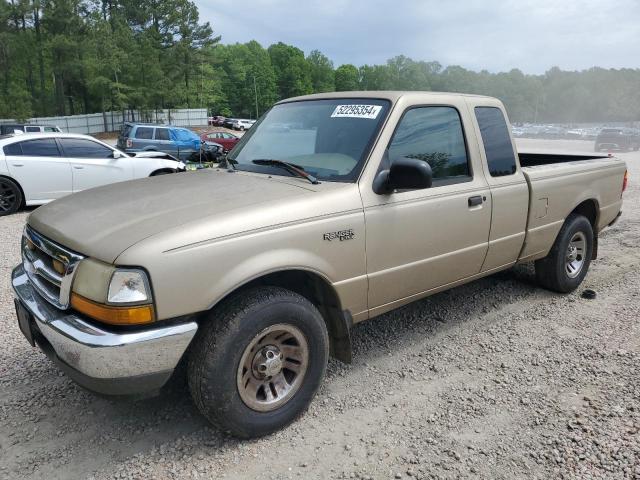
x,y
113,363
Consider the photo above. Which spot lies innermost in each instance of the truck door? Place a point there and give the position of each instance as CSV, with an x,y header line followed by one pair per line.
x,y
419,240
509,191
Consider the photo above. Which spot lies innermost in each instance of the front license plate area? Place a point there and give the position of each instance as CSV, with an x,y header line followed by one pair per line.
x,y
24,321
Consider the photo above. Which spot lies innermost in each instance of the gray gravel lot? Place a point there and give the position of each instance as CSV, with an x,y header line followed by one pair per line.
x,y
495,379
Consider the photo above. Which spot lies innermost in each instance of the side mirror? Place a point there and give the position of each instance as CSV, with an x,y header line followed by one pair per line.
x,y
405,174
116,154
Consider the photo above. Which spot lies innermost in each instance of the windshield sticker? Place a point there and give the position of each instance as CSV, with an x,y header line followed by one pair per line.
x,y
356,111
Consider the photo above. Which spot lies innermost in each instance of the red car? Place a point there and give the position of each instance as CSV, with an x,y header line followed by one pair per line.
x,y
227,140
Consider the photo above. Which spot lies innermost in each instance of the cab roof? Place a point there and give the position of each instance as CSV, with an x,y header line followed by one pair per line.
x,y
391,95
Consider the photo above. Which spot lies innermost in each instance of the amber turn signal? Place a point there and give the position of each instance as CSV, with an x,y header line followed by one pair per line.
x,y
132,315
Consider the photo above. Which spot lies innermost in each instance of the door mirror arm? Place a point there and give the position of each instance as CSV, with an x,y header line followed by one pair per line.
x,y
404,174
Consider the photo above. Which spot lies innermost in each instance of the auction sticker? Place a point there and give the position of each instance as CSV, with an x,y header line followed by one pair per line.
x,y
356,111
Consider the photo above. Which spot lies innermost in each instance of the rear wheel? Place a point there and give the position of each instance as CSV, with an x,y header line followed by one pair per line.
x,y
568,261
258,361
10,196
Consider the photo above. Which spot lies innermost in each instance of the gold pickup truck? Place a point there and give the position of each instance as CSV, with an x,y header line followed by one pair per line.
x,y
332,209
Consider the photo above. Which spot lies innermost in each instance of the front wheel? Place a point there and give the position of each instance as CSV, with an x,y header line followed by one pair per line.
x,y
566,265
258,361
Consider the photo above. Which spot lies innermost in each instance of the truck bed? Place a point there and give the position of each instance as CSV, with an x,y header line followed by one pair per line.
x,y
559,182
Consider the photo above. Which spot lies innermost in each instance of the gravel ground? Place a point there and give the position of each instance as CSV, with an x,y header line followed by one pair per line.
x,y
495,379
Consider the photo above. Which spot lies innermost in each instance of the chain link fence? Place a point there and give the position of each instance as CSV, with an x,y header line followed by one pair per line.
x,y
112,121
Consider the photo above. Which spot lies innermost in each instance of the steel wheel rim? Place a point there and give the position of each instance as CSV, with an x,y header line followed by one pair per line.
x,y
272,367
575,255
7,197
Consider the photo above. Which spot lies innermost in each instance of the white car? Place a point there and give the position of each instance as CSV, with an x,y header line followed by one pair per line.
x,y
40,167
242,124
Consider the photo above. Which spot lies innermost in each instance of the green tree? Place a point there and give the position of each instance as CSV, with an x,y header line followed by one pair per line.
x,y
292,71
321,69
346,78
246,76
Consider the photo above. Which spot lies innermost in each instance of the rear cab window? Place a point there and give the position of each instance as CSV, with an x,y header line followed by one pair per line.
x,y
433,134
497,142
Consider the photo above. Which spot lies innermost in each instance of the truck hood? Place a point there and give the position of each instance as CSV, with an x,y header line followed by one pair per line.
x,y
105,221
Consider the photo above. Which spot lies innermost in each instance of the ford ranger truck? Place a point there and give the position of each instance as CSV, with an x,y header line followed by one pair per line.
x,y
333,209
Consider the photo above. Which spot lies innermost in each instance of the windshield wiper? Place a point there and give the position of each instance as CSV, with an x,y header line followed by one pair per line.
x,y
290,167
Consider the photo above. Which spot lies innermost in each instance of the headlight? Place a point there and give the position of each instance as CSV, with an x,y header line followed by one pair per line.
x,y
128,286
112,295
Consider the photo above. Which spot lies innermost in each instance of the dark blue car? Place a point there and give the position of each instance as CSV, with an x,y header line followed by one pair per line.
x,y
180,142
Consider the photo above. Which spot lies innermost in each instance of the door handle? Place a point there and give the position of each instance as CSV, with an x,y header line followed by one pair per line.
x,y
78,167
475,200
18,164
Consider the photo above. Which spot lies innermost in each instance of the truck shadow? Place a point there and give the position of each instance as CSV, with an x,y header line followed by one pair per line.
x,y
446,310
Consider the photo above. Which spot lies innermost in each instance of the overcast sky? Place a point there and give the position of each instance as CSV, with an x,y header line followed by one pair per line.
x,y
496,35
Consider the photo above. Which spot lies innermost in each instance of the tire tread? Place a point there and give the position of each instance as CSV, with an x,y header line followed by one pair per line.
x,y
221,326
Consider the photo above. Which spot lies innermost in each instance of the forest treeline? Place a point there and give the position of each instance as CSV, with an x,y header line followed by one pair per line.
x,y
65,57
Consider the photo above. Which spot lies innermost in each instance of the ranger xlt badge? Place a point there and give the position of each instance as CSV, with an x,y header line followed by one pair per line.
x,y
340,235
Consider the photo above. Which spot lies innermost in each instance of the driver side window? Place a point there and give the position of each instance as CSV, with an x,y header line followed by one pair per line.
x,y
434,135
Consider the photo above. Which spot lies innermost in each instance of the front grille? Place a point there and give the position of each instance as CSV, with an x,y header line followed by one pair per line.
x,y
50,267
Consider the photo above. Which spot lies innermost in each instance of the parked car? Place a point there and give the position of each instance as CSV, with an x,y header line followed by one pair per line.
x,y
617,139
242,124
575,133
552,132
217,120
10,128
227,140
228,122
180,142
517,131
40,167
591,133
251,280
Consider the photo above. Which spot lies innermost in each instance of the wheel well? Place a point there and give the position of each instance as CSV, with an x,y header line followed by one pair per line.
x,y
589,209
321,294
162,170
24,199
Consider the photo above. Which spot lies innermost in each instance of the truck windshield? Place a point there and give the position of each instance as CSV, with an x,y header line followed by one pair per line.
x,y
328,139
